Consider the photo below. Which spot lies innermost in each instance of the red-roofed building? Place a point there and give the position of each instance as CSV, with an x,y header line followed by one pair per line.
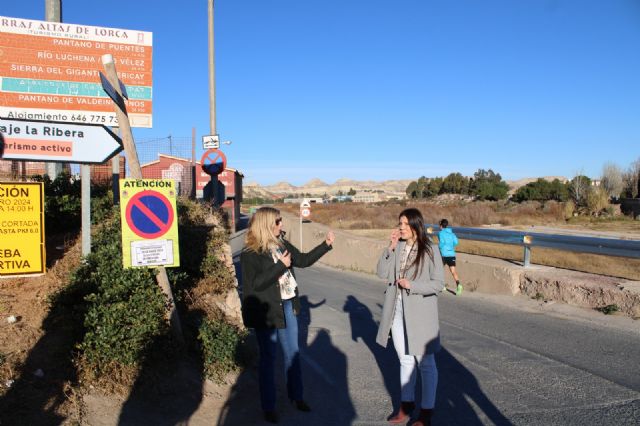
x,y
182,170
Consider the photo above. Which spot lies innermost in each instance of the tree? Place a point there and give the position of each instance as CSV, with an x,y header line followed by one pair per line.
x,y
351,191
412,190
611,180
422,185
542,190
558,191
455,183
578,190
434,186
488,185
631,180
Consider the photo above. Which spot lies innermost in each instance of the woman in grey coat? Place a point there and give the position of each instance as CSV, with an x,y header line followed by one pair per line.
x,y
415,276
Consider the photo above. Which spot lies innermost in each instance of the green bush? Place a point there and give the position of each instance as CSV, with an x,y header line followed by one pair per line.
x,y
125,310
220,343
213,268
62,201
609,309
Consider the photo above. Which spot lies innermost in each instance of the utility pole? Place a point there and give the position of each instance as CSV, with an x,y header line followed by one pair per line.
x,y
212,71
53,13
212,97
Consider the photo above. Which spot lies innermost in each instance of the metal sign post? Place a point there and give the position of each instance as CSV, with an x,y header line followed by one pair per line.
x,y
305,212
214,162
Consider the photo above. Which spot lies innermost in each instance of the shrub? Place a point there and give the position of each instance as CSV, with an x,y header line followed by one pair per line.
x,y
125,309
596,200
569,209
609,309
213,268
220,343
62,203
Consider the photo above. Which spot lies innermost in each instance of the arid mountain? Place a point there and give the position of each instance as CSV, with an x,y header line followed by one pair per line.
x,y
254,190
316,187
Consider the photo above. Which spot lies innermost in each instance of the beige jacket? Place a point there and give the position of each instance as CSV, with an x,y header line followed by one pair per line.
x,y
420,305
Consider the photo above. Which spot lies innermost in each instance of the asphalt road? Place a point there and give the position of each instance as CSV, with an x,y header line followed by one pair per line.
x,y
504,361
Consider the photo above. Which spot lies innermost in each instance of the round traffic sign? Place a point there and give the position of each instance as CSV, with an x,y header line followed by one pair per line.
x,y
149,214
305,212
213,162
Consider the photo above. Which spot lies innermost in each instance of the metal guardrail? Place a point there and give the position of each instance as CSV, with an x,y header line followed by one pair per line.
x,y
595,245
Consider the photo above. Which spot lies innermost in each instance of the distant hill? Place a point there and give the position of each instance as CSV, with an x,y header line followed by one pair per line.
x,y
389,188
254,190
317,187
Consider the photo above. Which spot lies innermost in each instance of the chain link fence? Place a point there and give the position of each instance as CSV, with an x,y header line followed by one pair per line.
x,y
170,157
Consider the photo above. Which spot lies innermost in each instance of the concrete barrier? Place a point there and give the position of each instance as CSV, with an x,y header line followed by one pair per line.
x,y
482,274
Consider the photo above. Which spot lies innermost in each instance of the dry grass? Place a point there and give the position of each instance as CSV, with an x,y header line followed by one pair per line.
x,y
593,263
460,213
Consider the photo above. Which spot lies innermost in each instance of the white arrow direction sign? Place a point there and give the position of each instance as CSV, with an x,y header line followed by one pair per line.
x,y
57,142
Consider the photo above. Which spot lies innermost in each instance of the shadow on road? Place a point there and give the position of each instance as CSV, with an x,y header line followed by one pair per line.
x,y
456,388
456,384
364,327
168,389
325,383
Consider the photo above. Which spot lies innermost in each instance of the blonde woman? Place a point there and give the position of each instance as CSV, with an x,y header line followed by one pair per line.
x,y
270,302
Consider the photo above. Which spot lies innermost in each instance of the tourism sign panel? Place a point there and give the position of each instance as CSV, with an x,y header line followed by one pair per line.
x,y
149,222
22,249
50,71
57,142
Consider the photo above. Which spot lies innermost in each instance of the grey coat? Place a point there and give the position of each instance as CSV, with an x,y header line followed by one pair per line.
x,y
420,306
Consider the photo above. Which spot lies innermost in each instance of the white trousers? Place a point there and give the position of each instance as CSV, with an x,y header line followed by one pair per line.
x,y
427,365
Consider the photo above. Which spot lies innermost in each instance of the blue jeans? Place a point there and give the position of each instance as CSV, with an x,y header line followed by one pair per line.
x,y
267,344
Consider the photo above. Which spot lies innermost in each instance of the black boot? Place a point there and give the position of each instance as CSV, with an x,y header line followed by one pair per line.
x,y
271,416
424,419
404,412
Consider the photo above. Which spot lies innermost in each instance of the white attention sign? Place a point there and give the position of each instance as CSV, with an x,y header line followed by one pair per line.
x,y
151,253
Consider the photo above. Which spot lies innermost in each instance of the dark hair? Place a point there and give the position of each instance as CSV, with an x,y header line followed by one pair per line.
x,y
444,223
423,242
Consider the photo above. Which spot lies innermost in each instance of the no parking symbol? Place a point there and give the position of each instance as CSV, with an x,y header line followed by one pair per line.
x,y
149,214
149,228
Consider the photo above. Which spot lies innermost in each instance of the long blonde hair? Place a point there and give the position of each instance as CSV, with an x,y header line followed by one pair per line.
x,y
260,236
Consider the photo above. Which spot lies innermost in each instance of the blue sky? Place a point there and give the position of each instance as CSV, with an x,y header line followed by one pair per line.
x,y
372,89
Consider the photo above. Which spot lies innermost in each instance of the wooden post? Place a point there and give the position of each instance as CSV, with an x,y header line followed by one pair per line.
x,y
136,173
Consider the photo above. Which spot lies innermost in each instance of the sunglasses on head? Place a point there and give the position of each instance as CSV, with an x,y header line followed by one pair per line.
x,y
278,221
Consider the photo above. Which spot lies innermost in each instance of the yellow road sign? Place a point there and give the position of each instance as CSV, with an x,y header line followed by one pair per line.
x,y
22,249
149,221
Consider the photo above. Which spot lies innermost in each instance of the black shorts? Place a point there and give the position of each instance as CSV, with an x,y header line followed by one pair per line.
x,y
449,261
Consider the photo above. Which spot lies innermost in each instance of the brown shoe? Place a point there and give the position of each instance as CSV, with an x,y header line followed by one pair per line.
x,y
424,419
404,412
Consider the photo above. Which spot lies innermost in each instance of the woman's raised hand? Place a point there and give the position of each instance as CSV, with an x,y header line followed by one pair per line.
x,y
394,238
330,238
285,258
